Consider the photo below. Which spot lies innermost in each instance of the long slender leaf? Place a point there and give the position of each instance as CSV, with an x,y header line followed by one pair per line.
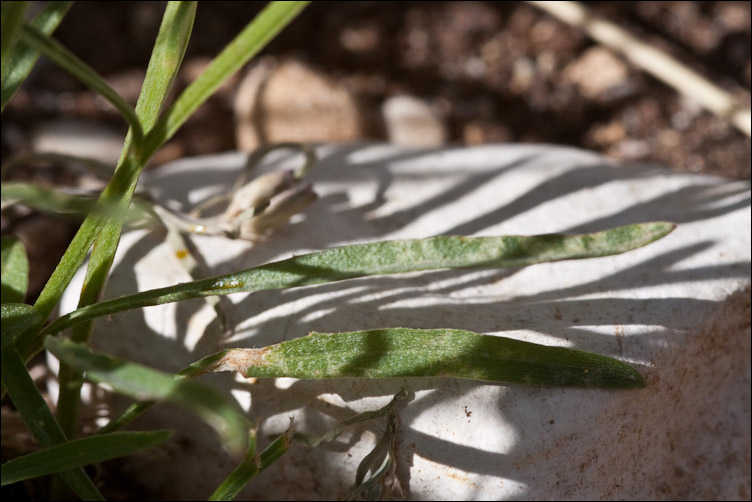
x,y
237,53
389,257
12,20
16,318
96,166
252,465
71,63
137,408
141,382
164,63
403,352
167,55
14,270
122,184
28,401
241,475
23,57
45,200
79,453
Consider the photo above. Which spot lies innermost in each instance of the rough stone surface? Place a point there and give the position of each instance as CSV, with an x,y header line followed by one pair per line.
x,y
678,310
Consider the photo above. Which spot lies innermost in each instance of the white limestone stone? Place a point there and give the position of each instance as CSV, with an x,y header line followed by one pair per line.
x,y
677,310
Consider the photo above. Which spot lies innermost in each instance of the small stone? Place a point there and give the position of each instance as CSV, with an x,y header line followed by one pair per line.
x,y
484,131
607,134
360,39
291,101
598,73
412,122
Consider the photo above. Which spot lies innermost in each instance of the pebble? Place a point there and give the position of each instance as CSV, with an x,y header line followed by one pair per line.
x,y
292,101
598,74
411,121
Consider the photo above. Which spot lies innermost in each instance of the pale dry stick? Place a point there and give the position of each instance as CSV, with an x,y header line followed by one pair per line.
x,y
659,64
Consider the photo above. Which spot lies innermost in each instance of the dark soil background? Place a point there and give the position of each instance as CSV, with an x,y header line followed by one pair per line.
x,y
498,72
494,72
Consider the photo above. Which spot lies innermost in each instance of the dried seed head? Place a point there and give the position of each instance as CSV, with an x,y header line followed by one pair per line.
x,y
281,208
258,192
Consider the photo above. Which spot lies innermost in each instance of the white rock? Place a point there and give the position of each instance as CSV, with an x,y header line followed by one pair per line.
x,y
678,310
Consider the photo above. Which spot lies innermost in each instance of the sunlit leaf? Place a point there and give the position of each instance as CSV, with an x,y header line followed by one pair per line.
x,y
389,257
452,353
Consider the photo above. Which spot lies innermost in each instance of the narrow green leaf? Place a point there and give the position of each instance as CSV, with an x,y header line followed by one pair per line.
x,y
95,166
389,257
83,72
141,382
79,453
237,53
120,189
252,465
403,352
23,57
16,318
164,64
12,20
241,475
46,200
14,270
136,409
38,417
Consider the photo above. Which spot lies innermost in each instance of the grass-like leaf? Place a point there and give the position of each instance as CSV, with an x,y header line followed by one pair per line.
x,y
12,21
120,188
388,257
45,200
141,382
83,72
404,352
79,453
241,475
166,57
14,270
17,318
22,56
25,158
252,465
237,53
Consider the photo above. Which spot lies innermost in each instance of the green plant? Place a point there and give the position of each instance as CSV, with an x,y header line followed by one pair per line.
x,y
401,352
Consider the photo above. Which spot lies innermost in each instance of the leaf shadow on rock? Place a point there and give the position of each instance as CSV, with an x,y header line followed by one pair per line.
x,y
472,300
